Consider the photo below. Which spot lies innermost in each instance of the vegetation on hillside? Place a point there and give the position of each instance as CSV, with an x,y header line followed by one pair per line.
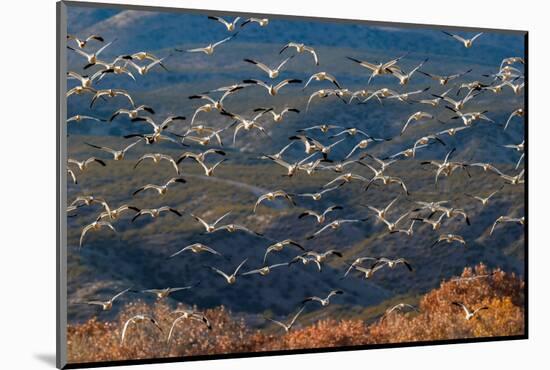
x,y
437,319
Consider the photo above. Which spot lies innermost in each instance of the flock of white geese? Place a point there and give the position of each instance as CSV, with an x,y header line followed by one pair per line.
x,y
317,155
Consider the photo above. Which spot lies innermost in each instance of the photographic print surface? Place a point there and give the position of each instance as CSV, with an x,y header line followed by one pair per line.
x,y
244,184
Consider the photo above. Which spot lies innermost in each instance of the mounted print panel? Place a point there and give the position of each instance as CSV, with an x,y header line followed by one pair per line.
x,y
236,184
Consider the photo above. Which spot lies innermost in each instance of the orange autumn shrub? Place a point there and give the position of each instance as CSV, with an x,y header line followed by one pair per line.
x,y
438,319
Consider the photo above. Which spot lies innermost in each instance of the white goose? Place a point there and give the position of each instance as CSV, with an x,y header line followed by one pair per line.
x,y
90,58
132,113
277,117
517,113
188,315
323,301
287,327
380,68
156,212
161,189
484,200
262,22
319,195
322,76
466,42
272,195
207,226
95,226
321,217
334,225
265,270
449,238
118,155
208,49
80,117
277,247
108,304
271,72
230,26
469,314
273,89
158,158
196,248
136,320
165,292
231,279
82,43
83,166
111,93
301,48
507,219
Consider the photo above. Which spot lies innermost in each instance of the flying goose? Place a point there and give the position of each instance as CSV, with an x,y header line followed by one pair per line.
x,y
345,178
409,232
404,97
507,219
161,189
305,260
457,104
518,112
380,68
277,117
453,212
81,117
486,167
159,127
353,131
208,49
277,247
518,147
334,225
287,327
381,213
90,58
88,200
416,117
262,22
85,80
470,117
317,196
468,313
323,93
322,76
271,196
213,103
279,154
428,139
245,124
144,55
144,69
404,78
387,180
514,180
188,315
436,224
432,206
392,263
108,304
156,212
265,270
118,155
165,292
484,200
201,130
155,137
358,261
196,248
229,25
138,319
78,90
111,93
400,307
273,89
157,158
339,167
132,113
82,43
466,42
209,171
231,279
511,60
320,216
436,100
449,238
444,80
234,228
300,48
368,271
95,226
323,128
72,175
114,214
452,131
83,166
392,226
205,140
271,72
199,156
323,301
363,144
209,227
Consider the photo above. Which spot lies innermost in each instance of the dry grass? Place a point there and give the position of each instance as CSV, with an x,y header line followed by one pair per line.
x,y
438,319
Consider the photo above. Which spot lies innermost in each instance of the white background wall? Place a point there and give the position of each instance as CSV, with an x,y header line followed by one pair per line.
x,y
27,242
